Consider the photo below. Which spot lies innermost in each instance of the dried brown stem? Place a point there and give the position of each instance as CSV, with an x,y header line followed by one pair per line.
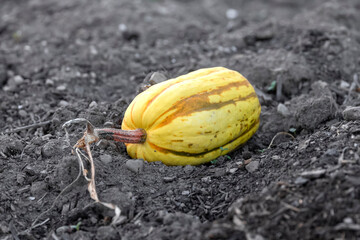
x,y
35,125
278,134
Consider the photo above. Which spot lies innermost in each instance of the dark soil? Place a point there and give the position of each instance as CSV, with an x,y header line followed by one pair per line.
x,y
66,59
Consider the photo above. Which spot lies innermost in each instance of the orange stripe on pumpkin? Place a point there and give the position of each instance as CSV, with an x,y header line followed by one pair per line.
x,y
191,79
201,102
199,155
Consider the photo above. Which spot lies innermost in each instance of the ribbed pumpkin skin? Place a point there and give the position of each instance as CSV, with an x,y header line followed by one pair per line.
x,y
194,118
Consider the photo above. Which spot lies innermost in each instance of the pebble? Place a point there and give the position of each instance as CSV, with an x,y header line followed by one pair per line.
x,y
301,180
348,220
313,173
93,50
63,103
168,179
93,104
344,85
206,179
61,88
231,13
49,82
135,166
22,113
313,110
185,193
252,166
122,27
18,80
351,113
106,158
283,110
65,209
188,169
233,170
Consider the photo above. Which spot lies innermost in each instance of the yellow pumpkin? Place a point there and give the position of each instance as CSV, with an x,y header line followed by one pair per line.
x,y
194,118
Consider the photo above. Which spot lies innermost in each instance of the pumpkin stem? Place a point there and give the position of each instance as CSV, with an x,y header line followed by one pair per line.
x,y
125,136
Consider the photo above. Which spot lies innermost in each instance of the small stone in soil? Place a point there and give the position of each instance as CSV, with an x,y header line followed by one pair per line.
x,y
93,104
344,85
135,166
49,82
18,80
168,179
61,88
63,103
206,179
185,193
22,113
252,166
106,158
231,14
351,113
301,180
107,232
188,169
283,110
233,170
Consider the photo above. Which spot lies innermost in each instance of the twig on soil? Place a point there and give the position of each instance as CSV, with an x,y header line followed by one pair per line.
x,y
341,159
40,224
278,134
295,209
2,154
35,125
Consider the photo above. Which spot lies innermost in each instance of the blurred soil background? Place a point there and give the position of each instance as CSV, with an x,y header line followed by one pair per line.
x,y
66,59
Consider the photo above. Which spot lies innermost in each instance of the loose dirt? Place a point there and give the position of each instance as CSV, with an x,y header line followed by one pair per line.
x,y
61,60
